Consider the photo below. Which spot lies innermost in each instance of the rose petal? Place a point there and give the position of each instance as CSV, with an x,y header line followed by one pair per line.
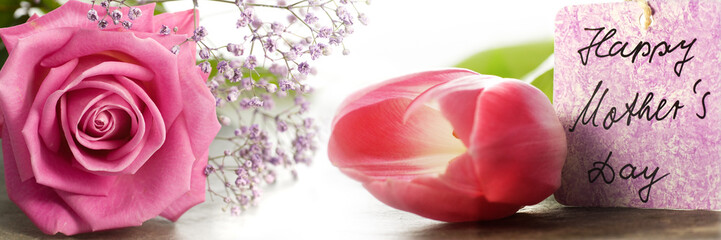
x,y
144,195
113,137
33,17
128,158
41,204
53,169
519,148
120,125
164,89
202,126
155,134
72,15
195,196
49,129
198,103
18,78
48,95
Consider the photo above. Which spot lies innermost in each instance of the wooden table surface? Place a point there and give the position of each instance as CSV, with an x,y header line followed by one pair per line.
x,y
324,204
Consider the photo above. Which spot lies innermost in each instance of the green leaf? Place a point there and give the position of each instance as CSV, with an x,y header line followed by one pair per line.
x,y
3,54
509,62
47,5
7,12
545,83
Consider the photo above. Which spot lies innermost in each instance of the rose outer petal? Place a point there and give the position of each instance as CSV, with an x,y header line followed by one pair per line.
x,y
41,204
195,196
202,125
17,78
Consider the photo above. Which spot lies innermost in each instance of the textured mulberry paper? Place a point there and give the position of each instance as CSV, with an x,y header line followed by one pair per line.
x,y
687,147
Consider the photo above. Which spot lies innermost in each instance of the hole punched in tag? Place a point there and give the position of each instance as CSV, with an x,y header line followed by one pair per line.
x,y
646,18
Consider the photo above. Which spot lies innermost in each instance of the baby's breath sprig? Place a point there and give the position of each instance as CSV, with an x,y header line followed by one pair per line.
x,y
270,62
112,8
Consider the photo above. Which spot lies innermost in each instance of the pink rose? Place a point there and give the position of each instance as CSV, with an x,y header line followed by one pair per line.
x,y
103,128
451,145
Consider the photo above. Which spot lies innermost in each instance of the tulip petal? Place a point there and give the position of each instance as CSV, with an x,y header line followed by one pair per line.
x,y
457,101
41,204
516,145
408,87
374,141
430,198
371,141
519,148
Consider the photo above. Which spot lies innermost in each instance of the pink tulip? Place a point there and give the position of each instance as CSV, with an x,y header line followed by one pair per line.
x,y
451,145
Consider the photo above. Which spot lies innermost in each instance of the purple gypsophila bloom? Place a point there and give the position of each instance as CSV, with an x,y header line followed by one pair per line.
x,y
92,15
164,30
116,15
344,15
310,18
363,18
233,94
277,28
282,126
204,53
250,62
134,13
235,49
127,24
102,24
199,34
270,45
278,69
205,67
304,68
246,17
335,40
175,49
315,50
222,66
325,32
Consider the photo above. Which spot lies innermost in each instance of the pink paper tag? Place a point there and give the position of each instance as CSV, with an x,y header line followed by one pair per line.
x,y
641,108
